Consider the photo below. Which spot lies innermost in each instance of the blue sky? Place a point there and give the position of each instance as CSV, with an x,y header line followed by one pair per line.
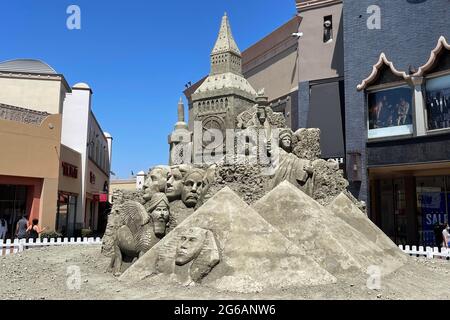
x,y
136,55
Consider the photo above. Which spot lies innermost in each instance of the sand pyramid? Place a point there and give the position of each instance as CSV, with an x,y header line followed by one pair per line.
x,y
252,252
329,240
345,209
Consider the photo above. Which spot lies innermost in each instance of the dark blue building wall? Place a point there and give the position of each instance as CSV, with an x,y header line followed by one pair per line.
x,y
409,31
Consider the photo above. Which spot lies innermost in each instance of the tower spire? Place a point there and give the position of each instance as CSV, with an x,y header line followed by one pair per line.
x,y
180,110
225,41
226,56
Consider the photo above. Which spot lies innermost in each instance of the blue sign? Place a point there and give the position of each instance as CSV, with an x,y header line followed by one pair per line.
x,y
433,207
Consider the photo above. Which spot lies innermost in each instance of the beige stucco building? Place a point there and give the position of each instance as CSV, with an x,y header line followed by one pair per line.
x,y
42,176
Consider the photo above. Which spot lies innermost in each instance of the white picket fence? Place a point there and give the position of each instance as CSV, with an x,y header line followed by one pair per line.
x,y
10,247
428,252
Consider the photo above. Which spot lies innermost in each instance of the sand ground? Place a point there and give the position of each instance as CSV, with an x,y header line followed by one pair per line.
x,y
42,274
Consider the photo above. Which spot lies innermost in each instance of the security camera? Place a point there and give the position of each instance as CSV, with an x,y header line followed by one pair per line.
x,y
297,34
327,24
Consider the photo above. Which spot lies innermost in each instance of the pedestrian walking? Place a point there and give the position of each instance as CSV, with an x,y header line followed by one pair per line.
x,y
22,227
3,229
33,231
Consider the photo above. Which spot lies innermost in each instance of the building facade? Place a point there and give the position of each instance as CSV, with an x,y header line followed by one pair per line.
x,y
321,73
276,57
42,168
82,132
300,65
397,67
31,96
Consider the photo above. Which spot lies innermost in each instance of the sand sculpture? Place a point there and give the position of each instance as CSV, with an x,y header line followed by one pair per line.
x,y
240,225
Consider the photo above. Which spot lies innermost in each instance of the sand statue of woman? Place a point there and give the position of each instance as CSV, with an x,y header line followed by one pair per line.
x,y
297,171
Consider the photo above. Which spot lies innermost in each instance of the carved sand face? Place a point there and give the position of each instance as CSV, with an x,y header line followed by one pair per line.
x,y
190,246
286,142
261,114
160,217
156,182
174,185
192,189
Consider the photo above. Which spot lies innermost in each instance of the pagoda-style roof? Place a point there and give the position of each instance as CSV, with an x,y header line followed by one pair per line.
x,y
440,48
378,68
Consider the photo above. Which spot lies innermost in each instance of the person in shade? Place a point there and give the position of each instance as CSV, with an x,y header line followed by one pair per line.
x,y
22,227
33,231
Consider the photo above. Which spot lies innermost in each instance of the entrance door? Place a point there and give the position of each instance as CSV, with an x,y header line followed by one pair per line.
x,y
66,215
13,204
391,209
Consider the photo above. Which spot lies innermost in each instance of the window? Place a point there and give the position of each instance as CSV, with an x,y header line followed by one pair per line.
x,y
328,29
438,102
66,214
390,112
432,206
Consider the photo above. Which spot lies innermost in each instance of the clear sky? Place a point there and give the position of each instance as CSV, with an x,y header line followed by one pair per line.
x,y
136,55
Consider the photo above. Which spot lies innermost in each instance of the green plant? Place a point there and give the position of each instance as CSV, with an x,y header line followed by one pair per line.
x,y
86,233
51,235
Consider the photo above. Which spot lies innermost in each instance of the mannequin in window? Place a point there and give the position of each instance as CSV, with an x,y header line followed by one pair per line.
x,y
403,112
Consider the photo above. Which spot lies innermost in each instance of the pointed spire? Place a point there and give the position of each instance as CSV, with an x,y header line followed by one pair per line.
x,y
225,41
181,110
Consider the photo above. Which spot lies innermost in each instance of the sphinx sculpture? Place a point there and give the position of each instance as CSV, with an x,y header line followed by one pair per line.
x,y
170,195
191,258
133,231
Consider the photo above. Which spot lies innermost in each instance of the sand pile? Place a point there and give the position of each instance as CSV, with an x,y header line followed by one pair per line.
x,y
344,208
331,241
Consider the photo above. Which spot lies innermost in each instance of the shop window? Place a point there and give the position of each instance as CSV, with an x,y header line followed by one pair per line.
x,y
432,207
438,102
66,214
328,29
390,112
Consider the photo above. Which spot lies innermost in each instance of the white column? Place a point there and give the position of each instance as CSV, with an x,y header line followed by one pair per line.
x,y
419,107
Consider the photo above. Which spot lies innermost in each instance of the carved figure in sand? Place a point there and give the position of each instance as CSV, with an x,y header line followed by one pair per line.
x,y
156,181
174,184
297,171
196,254
137,231
193,185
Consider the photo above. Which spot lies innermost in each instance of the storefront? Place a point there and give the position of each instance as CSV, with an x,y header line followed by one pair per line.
x,y
408,147
409,204
13,205
69,189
